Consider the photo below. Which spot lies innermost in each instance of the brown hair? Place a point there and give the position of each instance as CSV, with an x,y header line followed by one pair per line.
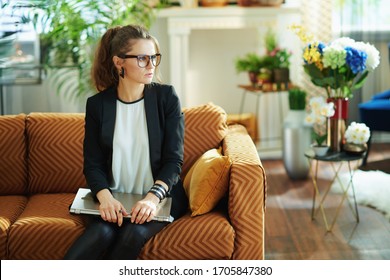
x,y
116,40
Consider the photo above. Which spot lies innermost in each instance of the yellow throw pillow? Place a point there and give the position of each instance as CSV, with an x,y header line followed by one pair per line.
x,y
207,181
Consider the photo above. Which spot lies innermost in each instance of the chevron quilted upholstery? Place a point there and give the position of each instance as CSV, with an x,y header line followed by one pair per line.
x,y
13,155
185,239
11,207
205,127
44,169
55,143
45,229
247,192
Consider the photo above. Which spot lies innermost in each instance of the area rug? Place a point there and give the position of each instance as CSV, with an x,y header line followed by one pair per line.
x,y
372,188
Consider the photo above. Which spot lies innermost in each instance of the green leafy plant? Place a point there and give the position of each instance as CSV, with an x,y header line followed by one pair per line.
x,y
297,98
277,57
318,138
69,31
251,62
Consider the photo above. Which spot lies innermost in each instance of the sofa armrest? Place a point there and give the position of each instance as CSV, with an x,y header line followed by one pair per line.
x,y
247,194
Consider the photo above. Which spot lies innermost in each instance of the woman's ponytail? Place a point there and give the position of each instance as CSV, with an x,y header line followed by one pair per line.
x,y
104,73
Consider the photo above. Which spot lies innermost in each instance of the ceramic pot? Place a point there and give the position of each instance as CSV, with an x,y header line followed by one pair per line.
x,y
320,150
281,75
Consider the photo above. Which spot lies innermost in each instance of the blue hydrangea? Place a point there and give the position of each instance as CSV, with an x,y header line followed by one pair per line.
x,y
356,60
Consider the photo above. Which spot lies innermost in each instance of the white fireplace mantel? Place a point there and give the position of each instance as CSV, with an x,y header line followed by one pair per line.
x,y
181,21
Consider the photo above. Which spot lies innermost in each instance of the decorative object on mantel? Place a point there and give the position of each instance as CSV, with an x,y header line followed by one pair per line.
x,y
356,137
250,3
296,136
319,112
213,3
339,67
189,3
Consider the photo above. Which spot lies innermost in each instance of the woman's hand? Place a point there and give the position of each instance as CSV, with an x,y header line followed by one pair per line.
x,y
111,210
145,209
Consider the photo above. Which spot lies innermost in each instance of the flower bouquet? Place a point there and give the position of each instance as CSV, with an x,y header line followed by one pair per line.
x,y
340,66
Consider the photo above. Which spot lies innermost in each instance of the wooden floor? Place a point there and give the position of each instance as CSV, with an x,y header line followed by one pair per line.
x,y
291,234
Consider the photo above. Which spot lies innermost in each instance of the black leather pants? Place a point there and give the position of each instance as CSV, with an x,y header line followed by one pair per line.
x,y
104,240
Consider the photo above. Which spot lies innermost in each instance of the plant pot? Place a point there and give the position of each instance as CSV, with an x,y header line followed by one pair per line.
x,y
253,78
264,76
320,150
281,75
213,3
245,3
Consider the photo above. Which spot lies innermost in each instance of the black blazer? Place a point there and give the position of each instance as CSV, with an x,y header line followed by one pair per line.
x,y
165,122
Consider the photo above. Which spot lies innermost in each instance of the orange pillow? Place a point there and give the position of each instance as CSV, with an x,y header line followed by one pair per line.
x,y
207,181
205,128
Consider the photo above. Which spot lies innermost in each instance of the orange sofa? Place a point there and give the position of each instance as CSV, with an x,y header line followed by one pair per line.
x,y
41,170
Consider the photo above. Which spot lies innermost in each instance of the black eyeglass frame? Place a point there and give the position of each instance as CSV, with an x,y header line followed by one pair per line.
x,y
152,58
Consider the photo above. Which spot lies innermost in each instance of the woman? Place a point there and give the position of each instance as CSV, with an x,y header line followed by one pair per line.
x,y
134,131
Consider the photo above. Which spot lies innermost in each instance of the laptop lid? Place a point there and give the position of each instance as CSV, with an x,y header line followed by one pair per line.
x,y
84,203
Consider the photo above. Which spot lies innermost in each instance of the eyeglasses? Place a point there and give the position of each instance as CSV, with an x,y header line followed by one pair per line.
x,y
143,59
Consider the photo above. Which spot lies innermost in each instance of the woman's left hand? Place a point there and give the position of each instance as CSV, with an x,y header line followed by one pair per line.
x,y
145,209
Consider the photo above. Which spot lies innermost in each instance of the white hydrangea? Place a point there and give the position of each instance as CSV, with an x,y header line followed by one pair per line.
x,y
357,133
373,56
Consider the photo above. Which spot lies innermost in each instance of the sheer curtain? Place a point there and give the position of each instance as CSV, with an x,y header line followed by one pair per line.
x,y
368,21
362,20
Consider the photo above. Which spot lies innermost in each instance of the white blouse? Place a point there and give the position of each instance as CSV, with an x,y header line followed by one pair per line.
x,y
131,169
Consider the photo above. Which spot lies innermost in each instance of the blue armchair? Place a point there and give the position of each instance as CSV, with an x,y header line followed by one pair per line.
x,y
375,113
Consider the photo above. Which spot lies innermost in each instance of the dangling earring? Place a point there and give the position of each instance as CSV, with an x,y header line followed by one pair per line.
x,y
122,73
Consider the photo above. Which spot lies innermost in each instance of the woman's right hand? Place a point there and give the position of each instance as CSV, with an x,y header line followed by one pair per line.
x,y
111,210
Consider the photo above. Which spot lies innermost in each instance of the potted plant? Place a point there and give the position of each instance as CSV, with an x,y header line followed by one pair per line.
x,y
279,58
296,136
250,63
69,31
320,110
297,98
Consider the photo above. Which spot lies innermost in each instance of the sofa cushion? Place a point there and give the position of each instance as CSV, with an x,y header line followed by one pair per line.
x,y
208,236
207,181
55,143
13,166
205,127
10,208
45,230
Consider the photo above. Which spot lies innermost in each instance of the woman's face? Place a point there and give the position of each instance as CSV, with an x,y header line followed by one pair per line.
x,y
135,69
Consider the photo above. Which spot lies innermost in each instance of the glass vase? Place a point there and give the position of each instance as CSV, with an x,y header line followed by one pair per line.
x,y
336,125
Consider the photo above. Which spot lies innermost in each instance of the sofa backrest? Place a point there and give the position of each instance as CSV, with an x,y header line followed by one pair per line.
x,y
55,147
205,128
13,163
